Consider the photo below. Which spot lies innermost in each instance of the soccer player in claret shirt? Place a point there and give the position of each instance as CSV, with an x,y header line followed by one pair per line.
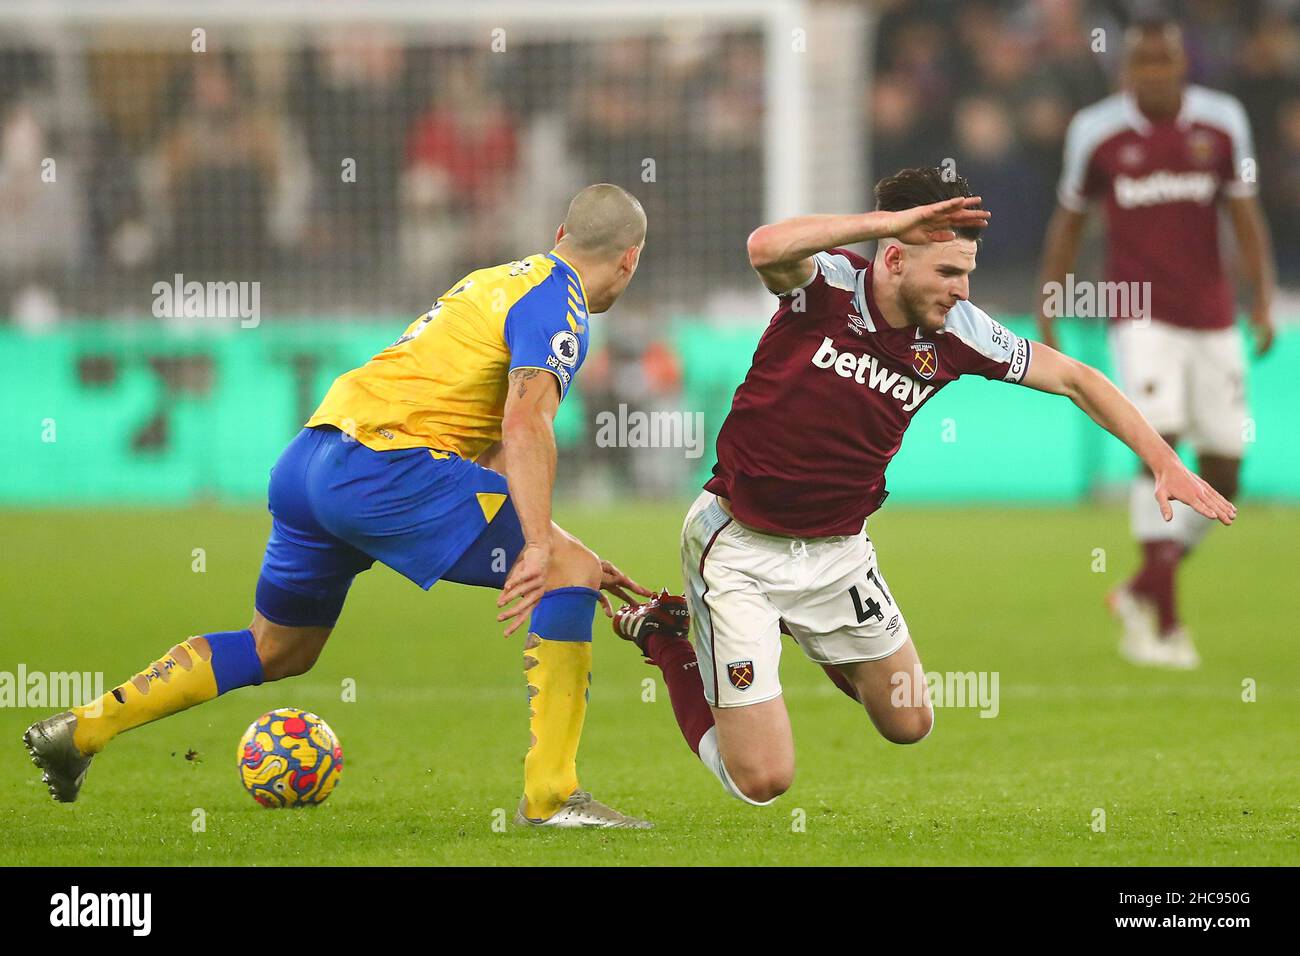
x,y
776,543
437,458
1163,157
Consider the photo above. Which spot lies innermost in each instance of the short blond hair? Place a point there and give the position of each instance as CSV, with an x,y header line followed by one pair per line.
x,y
604,220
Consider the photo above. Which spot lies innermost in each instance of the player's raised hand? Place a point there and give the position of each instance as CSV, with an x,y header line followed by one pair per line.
x,y
527,582
618,584
936,222
1178,483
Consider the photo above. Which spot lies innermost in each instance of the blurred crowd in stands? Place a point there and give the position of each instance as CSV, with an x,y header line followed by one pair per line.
x,y
364,171
994,85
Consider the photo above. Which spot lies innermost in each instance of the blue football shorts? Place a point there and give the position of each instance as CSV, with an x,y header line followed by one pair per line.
x,y
337,507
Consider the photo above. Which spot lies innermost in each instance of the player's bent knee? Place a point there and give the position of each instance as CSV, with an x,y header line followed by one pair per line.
x,y
761,780
763,786
910,729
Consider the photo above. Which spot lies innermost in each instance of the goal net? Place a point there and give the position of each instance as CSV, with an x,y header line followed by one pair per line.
x,y
355,159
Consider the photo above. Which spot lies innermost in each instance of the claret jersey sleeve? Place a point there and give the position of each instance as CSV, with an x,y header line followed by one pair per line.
x,y
832,269
1080,179
837,275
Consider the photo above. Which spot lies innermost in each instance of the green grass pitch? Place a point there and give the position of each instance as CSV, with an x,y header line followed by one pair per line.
x,y
1184,769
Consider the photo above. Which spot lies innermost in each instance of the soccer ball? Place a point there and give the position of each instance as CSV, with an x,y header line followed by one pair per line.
x,y
289,758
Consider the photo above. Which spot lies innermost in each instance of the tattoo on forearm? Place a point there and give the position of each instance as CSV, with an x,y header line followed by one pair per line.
x,y
522,376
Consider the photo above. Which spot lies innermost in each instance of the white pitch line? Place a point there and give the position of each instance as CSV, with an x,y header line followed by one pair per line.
x,y
1228,693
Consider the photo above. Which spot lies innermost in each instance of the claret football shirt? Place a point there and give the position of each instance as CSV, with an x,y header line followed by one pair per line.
x,y
1160,183
830,392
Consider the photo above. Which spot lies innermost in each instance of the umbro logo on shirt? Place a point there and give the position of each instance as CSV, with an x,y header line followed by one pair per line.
x,y
865,370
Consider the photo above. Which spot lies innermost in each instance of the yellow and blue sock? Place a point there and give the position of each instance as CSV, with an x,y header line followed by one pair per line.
x,y
180,679
557,666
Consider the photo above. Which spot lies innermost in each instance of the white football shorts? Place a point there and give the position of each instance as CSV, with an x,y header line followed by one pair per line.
x,y
743,586
1187,382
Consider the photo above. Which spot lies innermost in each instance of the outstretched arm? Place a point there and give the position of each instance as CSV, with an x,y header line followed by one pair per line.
x,y
782,252
528,457
1060,249
1050,371
1257,262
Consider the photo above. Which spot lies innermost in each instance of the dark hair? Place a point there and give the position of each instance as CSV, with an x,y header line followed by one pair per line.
x,y
1148,14
920,187
1149,23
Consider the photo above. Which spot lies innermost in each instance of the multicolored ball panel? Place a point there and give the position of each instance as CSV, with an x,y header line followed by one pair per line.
x,y
289,758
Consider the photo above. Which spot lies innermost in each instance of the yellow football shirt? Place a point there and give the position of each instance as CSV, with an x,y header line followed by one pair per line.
x,y
442,384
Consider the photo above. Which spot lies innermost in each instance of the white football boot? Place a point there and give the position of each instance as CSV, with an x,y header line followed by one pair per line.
x,y
582,810
1180,652
1140,643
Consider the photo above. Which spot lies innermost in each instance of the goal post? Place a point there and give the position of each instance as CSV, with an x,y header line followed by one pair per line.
x,y
719,114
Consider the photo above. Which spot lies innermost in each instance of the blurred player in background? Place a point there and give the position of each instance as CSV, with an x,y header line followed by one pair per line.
x,y
777,543
437,458
1162,156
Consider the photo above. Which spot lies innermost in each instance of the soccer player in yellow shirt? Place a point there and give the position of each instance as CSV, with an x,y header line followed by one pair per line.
x,y
437,458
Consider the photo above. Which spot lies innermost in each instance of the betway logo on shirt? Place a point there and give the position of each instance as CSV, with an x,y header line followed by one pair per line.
x,y
1163,186
865,370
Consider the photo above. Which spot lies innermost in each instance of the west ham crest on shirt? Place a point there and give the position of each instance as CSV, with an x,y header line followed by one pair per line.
x,y
925,359
741,674
1200,147
1130,154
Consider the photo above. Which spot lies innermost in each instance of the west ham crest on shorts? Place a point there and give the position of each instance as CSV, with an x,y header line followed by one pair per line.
x,y
741,674
925,359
